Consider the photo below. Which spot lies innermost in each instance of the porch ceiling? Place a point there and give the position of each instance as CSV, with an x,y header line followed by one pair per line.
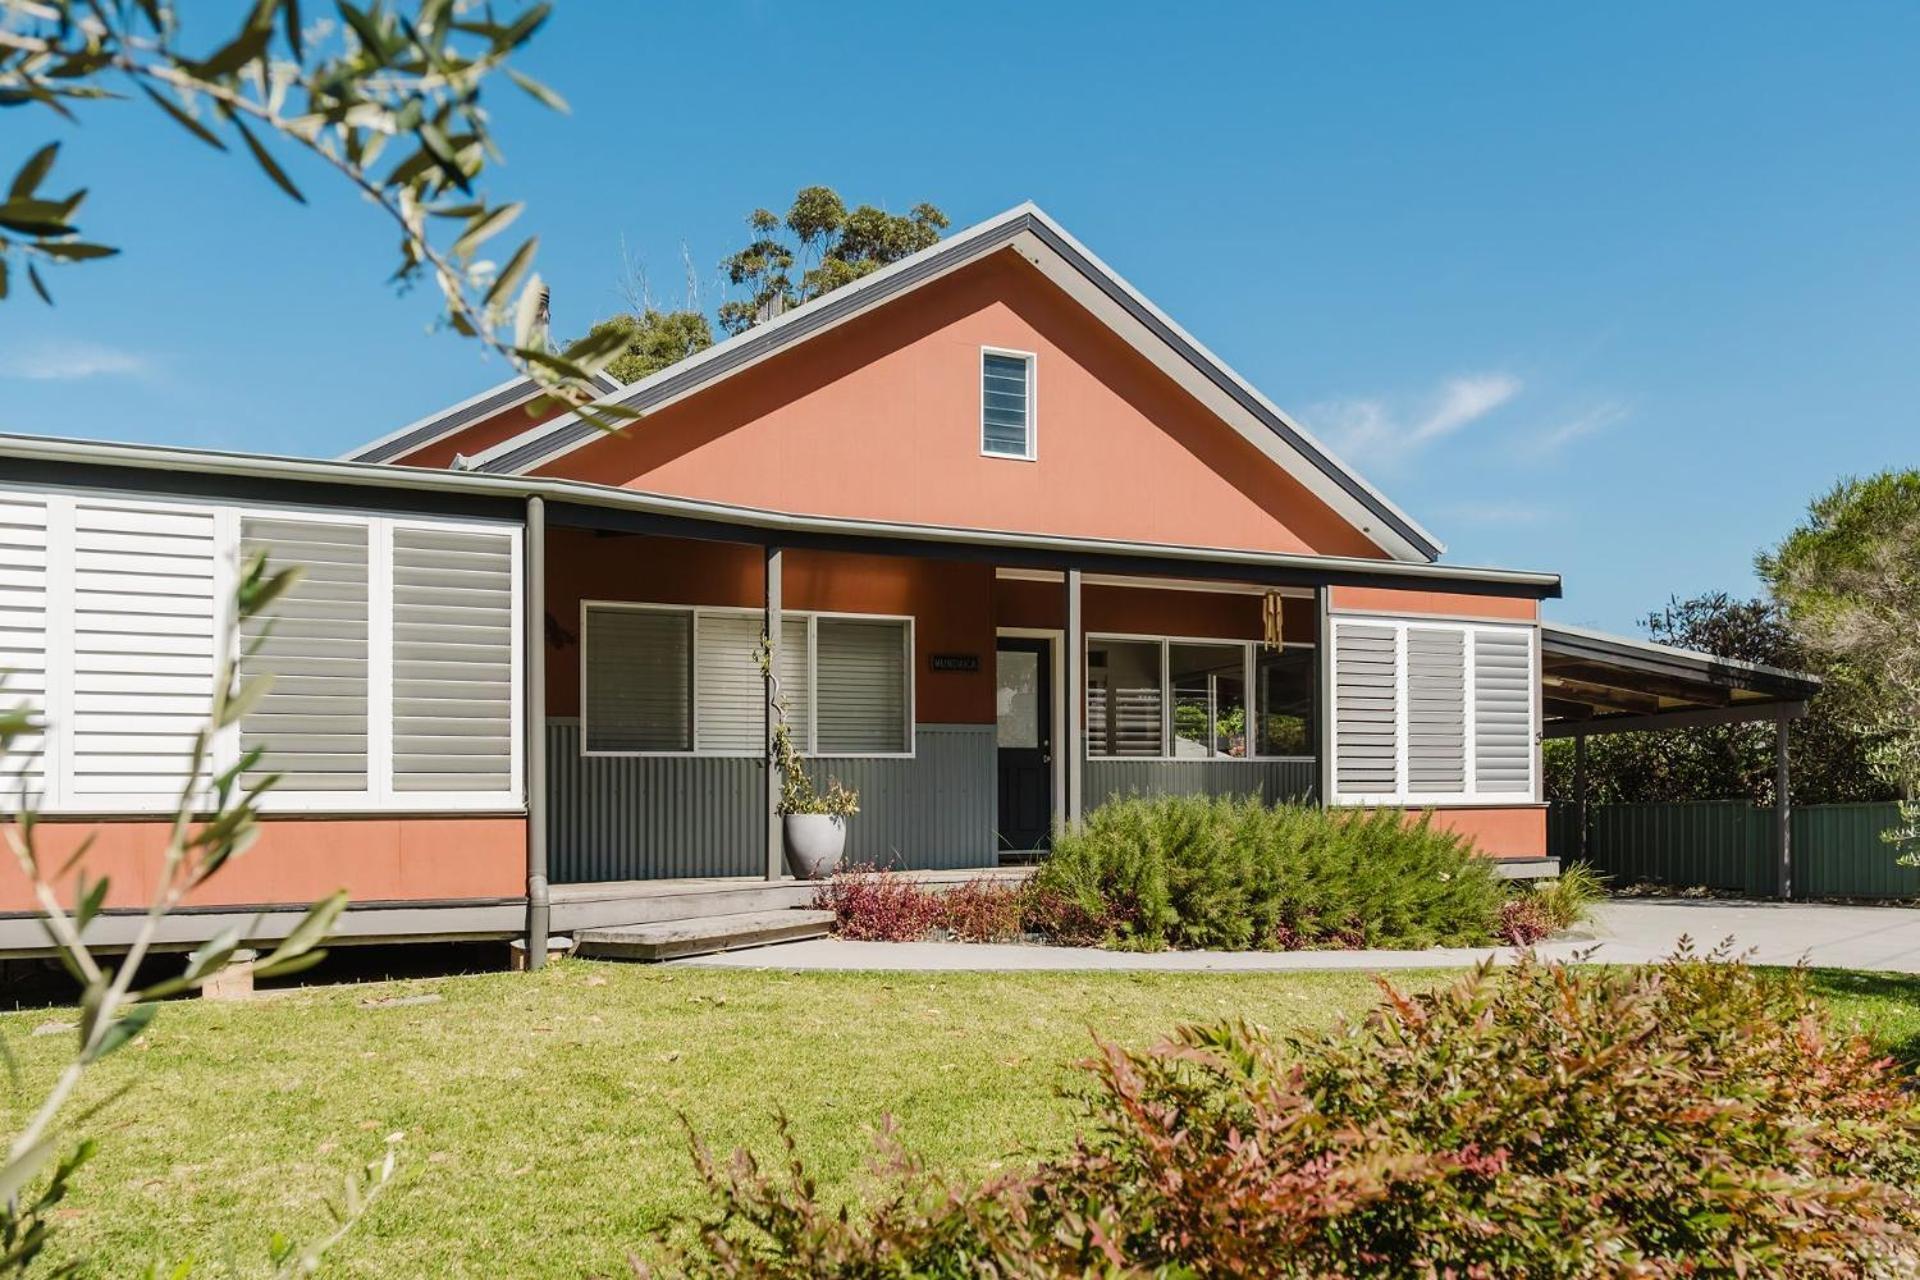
x,y
1595,683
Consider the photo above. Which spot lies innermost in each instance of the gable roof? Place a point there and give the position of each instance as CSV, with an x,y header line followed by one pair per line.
x,y
455,418
1070,265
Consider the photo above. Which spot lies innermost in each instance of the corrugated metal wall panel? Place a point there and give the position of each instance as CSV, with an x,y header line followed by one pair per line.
x,y
1272,780
661,817
934,811
1838,852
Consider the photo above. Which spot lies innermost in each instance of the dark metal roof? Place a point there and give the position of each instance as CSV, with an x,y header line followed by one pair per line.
x,y
1593,683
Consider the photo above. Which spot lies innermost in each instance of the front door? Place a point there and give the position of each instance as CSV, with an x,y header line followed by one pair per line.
x,y
1024,694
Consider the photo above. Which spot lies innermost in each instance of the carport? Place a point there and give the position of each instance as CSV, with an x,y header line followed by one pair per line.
x,y
1594,683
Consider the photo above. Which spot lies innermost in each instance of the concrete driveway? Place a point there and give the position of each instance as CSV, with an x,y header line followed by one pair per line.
x,y
1624,932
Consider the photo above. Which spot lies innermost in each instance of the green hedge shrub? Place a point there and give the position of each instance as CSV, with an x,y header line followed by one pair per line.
x,y
1198,871
1687,1118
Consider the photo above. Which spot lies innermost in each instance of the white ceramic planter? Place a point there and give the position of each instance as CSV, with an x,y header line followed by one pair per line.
x,y
814,843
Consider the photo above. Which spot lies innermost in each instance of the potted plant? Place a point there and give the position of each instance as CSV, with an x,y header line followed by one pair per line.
x,y
813,822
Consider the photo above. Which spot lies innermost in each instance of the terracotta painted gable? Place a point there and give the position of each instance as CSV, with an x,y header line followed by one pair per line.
x,y
880,419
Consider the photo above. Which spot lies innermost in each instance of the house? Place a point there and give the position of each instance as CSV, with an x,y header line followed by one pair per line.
x,y
1016,540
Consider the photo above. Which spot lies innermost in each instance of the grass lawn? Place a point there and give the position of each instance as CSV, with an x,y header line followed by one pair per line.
x,y
539,1112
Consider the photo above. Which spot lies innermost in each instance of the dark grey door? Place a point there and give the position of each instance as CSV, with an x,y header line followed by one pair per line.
x,y
1024,693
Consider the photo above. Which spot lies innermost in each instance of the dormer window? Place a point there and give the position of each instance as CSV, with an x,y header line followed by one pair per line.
x,y
1006,403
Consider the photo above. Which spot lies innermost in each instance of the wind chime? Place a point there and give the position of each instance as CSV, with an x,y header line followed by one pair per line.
x,y
1272,619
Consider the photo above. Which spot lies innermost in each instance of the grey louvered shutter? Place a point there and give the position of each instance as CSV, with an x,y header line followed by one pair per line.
x,y
144,625
1436,711
1366,710
639,680
23,641
1503,680
861,669
312,643
452,660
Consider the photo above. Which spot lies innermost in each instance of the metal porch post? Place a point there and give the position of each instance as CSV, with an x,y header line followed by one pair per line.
x,y
1073,669
774,852
534,603
1580,795
1782,808
1323,694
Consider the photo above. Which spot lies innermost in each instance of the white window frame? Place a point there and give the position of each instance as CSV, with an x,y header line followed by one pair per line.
x,y
1401,796
1032,359
58,797
1248,667
810,738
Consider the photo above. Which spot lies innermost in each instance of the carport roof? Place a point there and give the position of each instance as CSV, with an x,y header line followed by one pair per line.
x,y
1594,683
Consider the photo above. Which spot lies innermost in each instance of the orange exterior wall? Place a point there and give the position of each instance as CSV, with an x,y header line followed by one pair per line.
x,y
299,860
1447,603
880,419
951,603
1519,832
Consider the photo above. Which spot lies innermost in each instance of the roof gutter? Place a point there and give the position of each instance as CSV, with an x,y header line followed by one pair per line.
x,y
86,453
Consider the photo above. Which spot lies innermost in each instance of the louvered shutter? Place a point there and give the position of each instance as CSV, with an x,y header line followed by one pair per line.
x,y
1366,709
1503,680
796,688
862,677
312,643
452,660
639,672
730,693
1436,711
144,617
23,641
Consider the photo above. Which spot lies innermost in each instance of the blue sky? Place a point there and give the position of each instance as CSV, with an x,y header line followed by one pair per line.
x,y
1609,290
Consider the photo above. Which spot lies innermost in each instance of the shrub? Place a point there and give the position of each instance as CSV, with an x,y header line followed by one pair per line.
x,y
873,904
1197,871
1524,920
982,910
1061,918
1688,1118
1568,899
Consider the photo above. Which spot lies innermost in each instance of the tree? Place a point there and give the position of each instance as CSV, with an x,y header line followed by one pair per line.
x,y
1849,581
830,246
409,76
653,339
1726,761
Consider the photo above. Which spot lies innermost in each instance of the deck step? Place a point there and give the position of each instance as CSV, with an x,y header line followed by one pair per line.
x,y
673,939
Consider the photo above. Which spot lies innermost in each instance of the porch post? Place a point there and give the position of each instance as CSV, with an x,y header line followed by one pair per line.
x,y
1580,795
1072,664
534,775
1323,695
1782,808
774,853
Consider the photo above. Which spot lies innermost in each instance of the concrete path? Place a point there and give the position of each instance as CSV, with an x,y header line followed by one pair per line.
x,y
1628,932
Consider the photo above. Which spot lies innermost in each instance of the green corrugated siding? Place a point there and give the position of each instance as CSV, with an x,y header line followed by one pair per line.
x,y
1728,844
1271,780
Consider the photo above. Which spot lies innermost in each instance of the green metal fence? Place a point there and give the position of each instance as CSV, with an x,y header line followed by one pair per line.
x,y
1728,845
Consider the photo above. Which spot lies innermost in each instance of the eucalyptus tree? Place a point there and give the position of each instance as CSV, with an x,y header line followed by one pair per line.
x,y
388,97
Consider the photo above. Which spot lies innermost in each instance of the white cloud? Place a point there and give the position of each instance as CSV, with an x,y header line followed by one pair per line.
x,y
71,362
1372,430
1548,443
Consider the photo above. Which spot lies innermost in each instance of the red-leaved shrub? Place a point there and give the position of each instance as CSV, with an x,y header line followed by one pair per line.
x,y
1060,917
873,904
1690,1118
982,910
1524,921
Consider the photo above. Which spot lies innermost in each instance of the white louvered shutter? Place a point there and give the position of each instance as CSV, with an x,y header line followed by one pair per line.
x,y
452,660
639,680
1436,711
1503,680
1366,709
730,693
861,670
312,643
23,641
145,605
796,687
